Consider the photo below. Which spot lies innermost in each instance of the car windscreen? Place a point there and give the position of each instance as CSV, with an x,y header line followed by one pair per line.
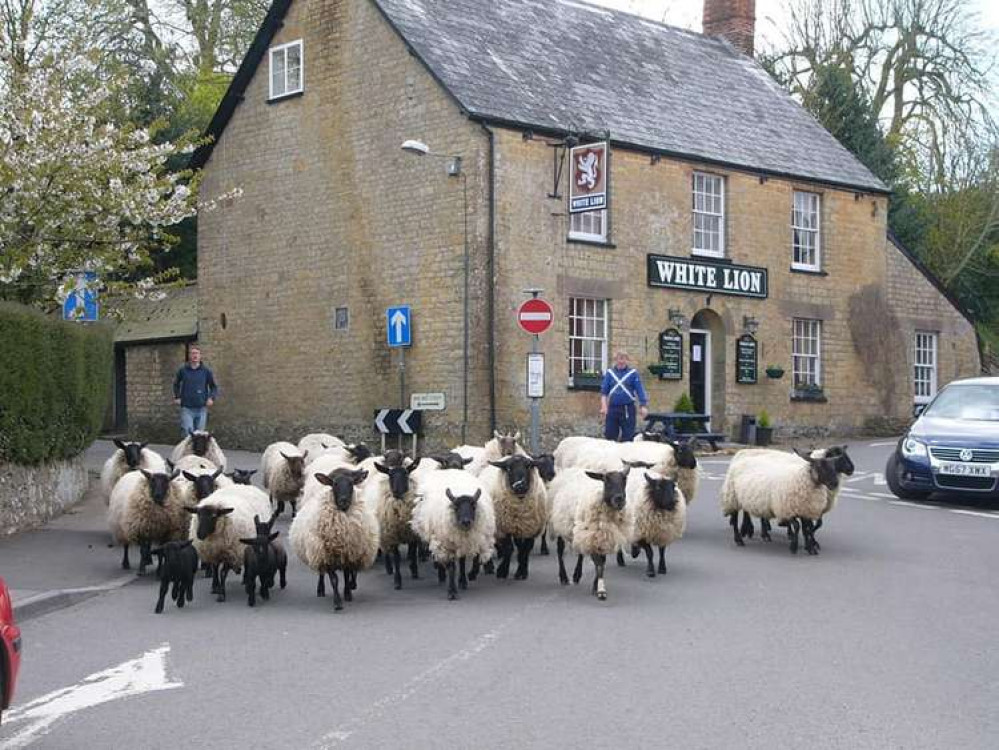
x,y
974,402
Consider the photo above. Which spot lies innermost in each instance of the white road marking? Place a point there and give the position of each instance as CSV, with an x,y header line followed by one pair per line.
x,y
979,513
884,495
428,676
858,477
881,445
914,505
145,674
879,478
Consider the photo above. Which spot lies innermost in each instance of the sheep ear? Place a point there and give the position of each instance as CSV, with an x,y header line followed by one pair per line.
x,y
305,455
119,444
596,475
284,456
382,468
800,454
466,461
226,511
360,475
170,464
256,519
174,474
273,536
412,467
477,495
248,541
649,478
217,474
323,479
447,491
146,474
189,476
498,464
191,509
142,445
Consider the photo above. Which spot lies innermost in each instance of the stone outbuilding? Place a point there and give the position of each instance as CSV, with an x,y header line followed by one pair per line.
x,y
723,237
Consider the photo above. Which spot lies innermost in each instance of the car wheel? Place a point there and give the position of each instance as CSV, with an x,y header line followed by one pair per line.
x,y
893,474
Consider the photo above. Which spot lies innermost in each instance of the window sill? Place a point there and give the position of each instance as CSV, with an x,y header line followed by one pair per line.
x,y
283,97
594,243
585,382
809,271
817,397
712,258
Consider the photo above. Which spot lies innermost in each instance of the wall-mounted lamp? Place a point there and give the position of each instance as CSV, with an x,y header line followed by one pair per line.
x,y
677,318
422,149
750,324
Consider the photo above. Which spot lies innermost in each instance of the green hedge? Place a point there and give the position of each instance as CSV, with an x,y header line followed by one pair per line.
x,y
55,378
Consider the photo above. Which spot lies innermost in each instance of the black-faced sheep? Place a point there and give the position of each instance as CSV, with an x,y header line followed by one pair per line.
x,y
392,494
242,476
658,516
145,509
282,466
128,457
262,559
520,502
178,564
199,443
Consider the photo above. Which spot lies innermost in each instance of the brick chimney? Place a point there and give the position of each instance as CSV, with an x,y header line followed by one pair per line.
x,y
733,19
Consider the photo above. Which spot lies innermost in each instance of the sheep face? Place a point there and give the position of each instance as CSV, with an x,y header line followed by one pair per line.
x,y
159,485
398,477
394,457
823,472
359,452
204,484
614,485
518,473
208,518
241,476
296,464
662,492
545,464
684,452
133,452
653,437
199,442
464,507
342,482
507,442
843,463
171,555
451,460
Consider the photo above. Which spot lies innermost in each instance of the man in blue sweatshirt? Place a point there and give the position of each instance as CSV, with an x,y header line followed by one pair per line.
x,y
194,390
620,393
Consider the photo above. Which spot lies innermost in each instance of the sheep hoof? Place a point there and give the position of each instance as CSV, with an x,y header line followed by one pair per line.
x,y
159,609
602,596
564,580
452,596
337,607
520,576
397,585
650,573
220,598
740,543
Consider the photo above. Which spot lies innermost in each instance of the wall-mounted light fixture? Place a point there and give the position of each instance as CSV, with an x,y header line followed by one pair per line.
x,y
677,318
750,324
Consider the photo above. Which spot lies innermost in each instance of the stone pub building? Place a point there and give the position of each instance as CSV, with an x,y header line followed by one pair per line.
x,y
724,235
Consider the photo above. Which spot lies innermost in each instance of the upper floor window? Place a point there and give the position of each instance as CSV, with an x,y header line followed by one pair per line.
x,y
805,231
286,69
588,225
709,215
587,335
806,353
925,361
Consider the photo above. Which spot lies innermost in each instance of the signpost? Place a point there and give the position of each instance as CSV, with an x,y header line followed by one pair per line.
x,y
399,422
745,359
671,354
535,316
399,332
81,302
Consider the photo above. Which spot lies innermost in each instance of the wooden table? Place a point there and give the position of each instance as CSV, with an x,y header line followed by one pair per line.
x,y
670,419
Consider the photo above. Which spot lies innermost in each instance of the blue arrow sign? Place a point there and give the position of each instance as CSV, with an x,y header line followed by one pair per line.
x,y
81,302
398,323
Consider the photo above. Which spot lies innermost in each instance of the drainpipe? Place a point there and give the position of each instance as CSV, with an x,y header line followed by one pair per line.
x,y
490,271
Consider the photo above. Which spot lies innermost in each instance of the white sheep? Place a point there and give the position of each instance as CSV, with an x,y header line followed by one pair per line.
x,y
455,518
321,466
145,509
772,484
282,467
128,457
199,443
658,512
195,483
589,511
601,455
219,522
316,442
520,502
502,444
335,530
390,491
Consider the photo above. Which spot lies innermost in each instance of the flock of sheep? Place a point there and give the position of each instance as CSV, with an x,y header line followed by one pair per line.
x,y
469,509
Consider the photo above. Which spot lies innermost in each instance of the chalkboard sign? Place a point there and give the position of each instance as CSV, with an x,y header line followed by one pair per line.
x,y
671,354
745,359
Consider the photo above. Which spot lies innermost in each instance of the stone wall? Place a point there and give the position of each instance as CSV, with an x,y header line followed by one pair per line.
x,y
31,495
149,373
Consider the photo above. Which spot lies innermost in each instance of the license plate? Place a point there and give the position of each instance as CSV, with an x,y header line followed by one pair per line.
x,y
966,470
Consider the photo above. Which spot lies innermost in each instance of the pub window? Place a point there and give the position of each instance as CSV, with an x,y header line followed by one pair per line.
x,y
805,231
925,361
286,69
589,225
709,215
587,335
806,353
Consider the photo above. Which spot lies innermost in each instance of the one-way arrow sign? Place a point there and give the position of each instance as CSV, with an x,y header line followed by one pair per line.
x,y
398,324
399,421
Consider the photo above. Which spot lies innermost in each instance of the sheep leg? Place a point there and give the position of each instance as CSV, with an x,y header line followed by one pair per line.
x,y
214,569
207,568
145,557
223,574
294,507
441,573
505,549
599,587
462,578
414,562
250,582
424,553
452,591
733,519
818,525
396,561
337,601
634,551
620,559
476,566
125,565
280,506
185,590
524,547
808,529
265,591
348,585
488,567
321,586
650,569
765,530
563,577
577,574
662,561
164,585
282,572
747,529
388,562
792,534
543,549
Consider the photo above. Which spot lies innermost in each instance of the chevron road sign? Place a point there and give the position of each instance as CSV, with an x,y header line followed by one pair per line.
x,y
399,421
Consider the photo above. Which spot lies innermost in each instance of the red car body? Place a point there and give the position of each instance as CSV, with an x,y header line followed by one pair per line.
x,y
10,648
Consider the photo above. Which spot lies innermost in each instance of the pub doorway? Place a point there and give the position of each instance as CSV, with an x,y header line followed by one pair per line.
x,y
707,367
700,370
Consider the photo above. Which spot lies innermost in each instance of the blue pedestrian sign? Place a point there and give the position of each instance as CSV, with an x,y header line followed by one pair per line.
x,y
398,323
81,302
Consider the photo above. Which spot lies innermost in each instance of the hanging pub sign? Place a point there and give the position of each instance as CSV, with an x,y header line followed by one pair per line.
x,y
588,177
745,359
705,276
671,354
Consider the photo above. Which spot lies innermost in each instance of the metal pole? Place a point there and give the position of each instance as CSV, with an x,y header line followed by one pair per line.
x,y
464,380
535,410
402,377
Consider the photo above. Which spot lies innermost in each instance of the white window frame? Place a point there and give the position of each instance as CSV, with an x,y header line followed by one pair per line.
x,y
595,311
581,226
924,365
283,50
804,333
695,212
814,209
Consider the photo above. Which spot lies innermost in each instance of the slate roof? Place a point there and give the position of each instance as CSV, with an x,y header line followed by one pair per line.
x,y
172,318
561,66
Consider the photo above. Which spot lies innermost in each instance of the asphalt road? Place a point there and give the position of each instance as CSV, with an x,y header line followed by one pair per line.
x,y
884,640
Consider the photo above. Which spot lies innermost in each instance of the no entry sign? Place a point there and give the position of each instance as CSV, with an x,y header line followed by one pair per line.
x,y
535,316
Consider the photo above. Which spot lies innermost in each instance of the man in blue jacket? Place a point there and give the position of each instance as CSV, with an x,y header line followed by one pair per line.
x,y
620,393
194,390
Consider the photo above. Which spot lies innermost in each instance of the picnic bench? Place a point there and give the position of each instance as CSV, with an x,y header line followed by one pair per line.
x,y
670,426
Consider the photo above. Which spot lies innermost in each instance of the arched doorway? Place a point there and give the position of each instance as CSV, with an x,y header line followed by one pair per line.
x,y
707,366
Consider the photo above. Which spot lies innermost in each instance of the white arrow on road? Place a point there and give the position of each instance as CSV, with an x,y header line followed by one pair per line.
x,y
145,674
398,322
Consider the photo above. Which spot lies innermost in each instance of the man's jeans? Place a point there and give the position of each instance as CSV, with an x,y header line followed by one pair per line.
x,y
193,419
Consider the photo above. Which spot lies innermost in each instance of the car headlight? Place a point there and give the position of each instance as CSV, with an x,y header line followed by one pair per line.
x,y
912,448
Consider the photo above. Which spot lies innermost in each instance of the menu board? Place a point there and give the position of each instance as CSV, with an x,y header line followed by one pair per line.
x,y
745,359
671,354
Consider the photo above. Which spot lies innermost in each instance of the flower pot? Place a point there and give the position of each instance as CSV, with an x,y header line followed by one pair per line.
x,y
587,381
764,435
775,373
